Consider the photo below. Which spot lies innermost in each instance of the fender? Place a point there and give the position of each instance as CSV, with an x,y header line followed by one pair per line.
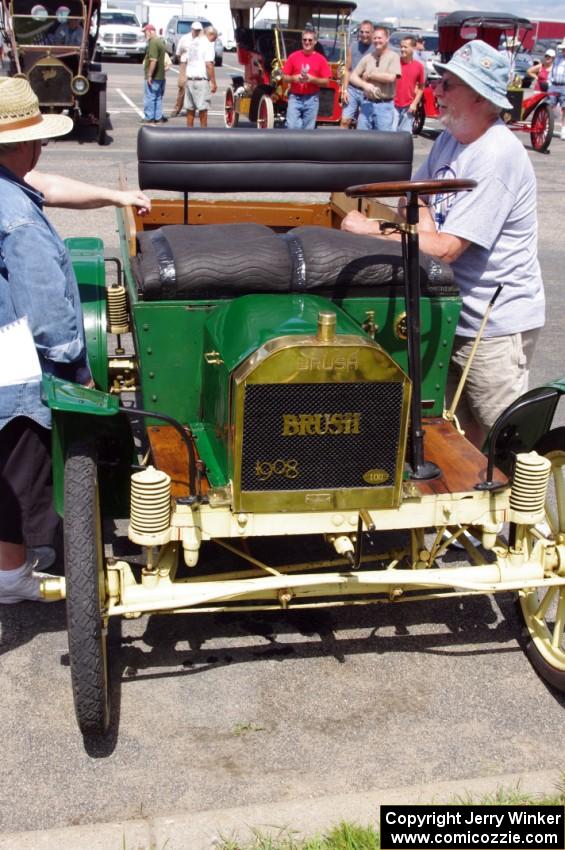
x,y
87,255
79,411
523,424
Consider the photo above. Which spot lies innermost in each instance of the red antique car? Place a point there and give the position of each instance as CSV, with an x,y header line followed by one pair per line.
x,y
530,109
259,94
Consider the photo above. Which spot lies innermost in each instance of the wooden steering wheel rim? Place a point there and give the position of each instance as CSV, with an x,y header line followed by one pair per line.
x,y
405,187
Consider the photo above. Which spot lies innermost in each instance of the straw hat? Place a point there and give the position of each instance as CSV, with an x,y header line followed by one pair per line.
x,y
20,118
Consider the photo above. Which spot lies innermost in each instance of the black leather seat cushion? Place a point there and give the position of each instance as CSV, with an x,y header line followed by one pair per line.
x,y
209,262
244,160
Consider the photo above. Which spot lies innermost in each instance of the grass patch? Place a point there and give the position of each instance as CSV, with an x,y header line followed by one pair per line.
x,y
351,836
244,728
344,836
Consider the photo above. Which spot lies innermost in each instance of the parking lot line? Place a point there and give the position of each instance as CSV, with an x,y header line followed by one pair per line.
x,y
130,102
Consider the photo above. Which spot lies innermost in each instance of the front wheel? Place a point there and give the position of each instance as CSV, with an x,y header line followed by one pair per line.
x,y
544,609
542,127
231,116
87,622
419,119
265,113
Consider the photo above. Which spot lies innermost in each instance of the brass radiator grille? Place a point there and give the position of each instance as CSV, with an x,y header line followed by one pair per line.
x,y
320,436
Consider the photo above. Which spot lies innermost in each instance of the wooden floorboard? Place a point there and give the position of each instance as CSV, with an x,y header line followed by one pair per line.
x,y
170,455
462,465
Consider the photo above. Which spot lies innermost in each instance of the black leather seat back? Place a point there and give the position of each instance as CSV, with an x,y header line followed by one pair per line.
x,y
221,160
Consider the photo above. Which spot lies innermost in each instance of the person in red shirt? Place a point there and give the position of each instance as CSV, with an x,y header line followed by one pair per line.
x,y
539,71
409,88
306,70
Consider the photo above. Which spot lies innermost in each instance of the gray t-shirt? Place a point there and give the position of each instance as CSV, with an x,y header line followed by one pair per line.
x,y
499,219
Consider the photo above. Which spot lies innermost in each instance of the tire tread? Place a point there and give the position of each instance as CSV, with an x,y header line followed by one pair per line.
x,y
84,623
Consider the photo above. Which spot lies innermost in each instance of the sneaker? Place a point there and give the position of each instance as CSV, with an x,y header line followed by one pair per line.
x,y
162,120
22,585
41,557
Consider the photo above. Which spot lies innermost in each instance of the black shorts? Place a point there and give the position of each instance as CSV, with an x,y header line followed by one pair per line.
x,y
27,514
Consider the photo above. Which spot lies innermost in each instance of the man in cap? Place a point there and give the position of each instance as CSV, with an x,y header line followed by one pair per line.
x,y
557,84
154,68
196,57
41,326
489,235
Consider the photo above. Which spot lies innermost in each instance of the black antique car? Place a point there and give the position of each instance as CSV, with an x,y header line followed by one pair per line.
x,y
52,45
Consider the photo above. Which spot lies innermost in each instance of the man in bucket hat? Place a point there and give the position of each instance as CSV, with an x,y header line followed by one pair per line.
x,y
41,330
489,235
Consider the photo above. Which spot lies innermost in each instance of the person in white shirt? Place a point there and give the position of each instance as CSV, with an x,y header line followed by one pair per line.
x,y
557,84
196,57
489,235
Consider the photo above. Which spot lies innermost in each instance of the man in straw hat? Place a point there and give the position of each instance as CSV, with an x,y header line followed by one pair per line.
x,y
489,235
41,331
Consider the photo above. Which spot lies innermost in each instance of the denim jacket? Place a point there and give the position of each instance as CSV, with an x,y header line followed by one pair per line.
x,y
37,280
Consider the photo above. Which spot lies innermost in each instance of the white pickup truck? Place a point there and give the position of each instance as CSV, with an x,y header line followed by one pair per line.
x,y
120,34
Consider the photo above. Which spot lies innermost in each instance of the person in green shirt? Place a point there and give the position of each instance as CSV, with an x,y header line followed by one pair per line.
x,y
154,68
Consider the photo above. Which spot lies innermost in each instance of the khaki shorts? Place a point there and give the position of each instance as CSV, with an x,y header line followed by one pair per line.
x,y
198,96
498,375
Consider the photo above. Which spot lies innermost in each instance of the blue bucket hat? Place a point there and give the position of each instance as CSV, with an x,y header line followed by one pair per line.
x,y
482,68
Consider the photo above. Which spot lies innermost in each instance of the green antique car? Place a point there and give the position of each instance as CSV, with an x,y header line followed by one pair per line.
x,y
285,383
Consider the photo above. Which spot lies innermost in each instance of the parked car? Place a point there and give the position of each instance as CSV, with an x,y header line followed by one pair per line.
x,y
120,34
63,76
259,94
179,26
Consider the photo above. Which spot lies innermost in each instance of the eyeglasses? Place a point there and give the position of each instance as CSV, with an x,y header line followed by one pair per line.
x,y
447,85
308,40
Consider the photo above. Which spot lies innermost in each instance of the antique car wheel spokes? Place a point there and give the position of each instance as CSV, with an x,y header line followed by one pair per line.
x,y
231,117
86,591
544,609
265,113
542,128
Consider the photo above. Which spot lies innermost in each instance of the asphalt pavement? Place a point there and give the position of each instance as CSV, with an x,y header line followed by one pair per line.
x,y
277,712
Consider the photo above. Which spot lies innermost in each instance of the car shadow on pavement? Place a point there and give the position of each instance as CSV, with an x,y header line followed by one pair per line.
x,y
178,646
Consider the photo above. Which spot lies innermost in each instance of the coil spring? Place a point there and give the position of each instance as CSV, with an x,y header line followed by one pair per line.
x,y
530,482
150,501
118,318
